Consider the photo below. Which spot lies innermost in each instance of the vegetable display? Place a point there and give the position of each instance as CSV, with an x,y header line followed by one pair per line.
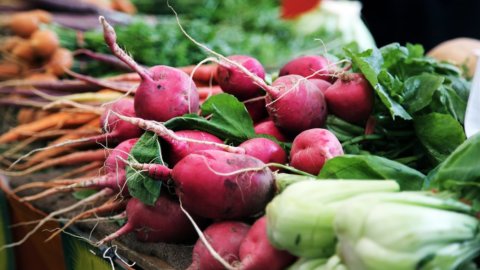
x,y
348,160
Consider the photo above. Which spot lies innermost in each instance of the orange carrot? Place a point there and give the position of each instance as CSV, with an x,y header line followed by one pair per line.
x,y
52,152
70,159
23,24
124,6
203,73
25,115
61,59
205,92
9,70
58,120
129,77
44,42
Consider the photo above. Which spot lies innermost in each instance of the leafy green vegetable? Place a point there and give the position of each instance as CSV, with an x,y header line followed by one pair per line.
x,y
419,91
460,172
440,134
300,219
406,231
228,119
371,167
140,185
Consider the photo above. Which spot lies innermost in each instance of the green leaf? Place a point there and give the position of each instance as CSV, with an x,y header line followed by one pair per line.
x,y
140,185
419,91
460,172
370,64
440,134
372,167
229,119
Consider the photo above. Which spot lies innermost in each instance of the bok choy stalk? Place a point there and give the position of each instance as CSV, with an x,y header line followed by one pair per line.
x,y
300,219
334,263
406,231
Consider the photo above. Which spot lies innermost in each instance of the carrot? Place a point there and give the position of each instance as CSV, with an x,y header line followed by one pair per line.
x,y
60,119
9,43
44,43
44,155
203,73
42,15
9,70
25,115
45,77
205,92
24,51
130,77
61,59
124,6
23,24
70,159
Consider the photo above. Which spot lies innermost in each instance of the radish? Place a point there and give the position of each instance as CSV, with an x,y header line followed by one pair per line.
x,y
115,129
268,127
164,92
265,150
350,98
217,184
163,222
321,84
311,148
225,238
256,252
306,66
178,149
235,82
182,143
295,104
115,177
256,108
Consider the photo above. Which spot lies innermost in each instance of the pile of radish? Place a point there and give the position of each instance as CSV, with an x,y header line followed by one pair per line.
x,y
212,183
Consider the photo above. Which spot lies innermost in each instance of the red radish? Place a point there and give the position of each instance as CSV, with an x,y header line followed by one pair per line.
x,y
116,129
311,148
307,65
268,127
163,222
265,150
182,143
321,84
217,184
225,238
351,98
256,252
164,92
295,104
256,108
235,82
115,177
232,196
178,149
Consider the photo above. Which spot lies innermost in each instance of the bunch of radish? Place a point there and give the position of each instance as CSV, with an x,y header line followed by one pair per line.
x,y
212,180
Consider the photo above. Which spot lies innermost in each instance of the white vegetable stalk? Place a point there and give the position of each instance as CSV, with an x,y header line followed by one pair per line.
x,y
405,231
300,219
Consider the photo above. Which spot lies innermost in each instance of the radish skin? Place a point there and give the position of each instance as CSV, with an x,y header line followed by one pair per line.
x,y
163,222
164,92
225,238
312,148
268,127
256,252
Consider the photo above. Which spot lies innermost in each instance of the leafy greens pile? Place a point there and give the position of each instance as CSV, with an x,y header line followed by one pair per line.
x,y
419,102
